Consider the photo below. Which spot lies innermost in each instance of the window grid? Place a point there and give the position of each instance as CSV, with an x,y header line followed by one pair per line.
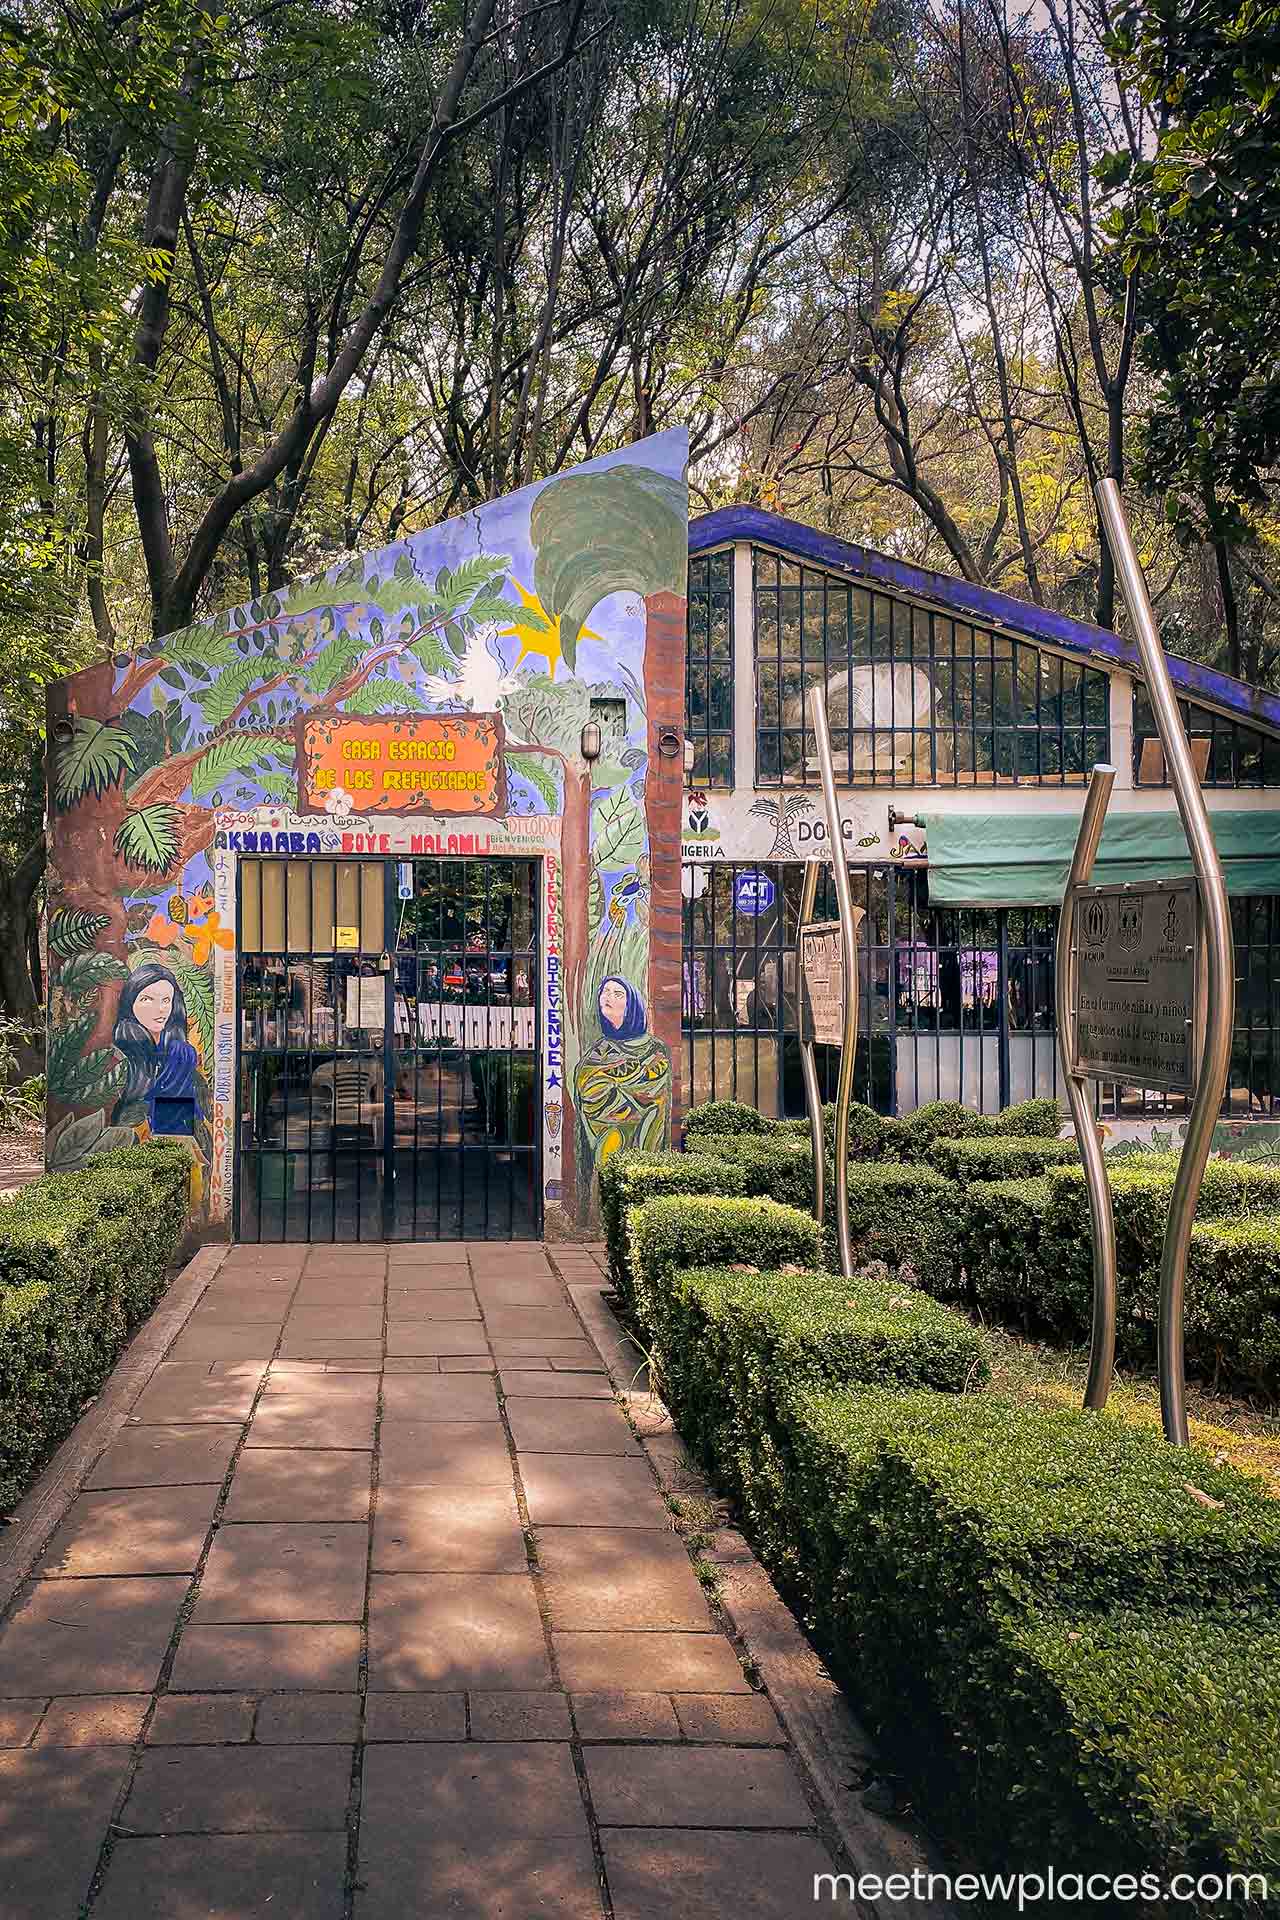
x,y
914,697
1226,754
708,686
954,1003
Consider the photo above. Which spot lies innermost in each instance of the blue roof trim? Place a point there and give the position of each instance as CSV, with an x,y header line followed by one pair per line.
x,y
981,604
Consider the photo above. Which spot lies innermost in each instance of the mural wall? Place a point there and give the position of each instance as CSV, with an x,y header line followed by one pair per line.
x,y
229,737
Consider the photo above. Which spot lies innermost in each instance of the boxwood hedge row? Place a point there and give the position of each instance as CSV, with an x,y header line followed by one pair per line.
x,y
83,1258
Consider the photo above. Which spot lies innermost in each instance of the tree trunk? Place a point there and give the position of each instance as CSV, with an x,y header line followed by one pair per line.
x,y
664,655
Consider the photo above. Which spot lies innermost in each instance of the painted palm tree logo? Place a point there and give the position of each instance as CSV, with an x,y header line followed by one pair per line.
x,y
781,810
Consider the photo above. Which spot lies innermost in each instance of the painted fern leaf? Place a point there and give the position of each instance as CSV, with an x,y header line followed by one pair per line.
x,y
233,755
94,758
382,696
219,702
279,786
540,778
334,659
199,646
87,973
148,839
71,931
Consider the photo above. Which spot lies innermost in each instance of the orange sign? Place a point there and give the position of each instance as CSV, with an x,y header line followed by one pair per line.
x,y
404,763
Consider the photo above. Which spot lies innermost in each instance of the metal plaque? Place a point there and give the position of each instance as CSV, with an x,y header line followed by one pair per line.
x,y
822,977
1136,1005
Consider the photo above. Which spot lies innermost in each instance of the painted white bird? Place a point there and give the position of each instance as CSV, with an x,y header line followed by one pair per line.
x,y
481,679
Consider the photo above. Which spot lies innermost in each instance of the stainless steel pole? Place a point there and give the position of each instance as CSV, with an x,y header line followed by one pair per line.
x,y
808,1060
1102,1346
1215,1060
849,950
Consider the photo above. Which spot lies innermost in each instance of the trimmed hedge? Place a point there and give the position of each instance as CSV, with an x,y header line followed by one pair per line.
x,y
1001,1224
1232,1324
665,1235
83,1258
723,1116
1001,1157
629,1179
907,1216
1030,1119
775,1168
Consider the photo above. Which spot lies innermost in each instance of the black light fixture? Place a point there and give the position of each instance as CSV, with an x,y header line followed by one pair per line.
x,y
591,742
63,731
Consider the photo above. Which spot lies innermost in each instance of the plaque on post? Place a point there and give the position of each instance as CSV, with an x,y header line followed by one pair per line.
x,y
1145,995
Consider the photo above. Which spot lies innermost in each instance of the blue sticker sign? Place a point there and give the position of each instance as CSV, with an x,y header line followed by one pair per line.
x,y
753,893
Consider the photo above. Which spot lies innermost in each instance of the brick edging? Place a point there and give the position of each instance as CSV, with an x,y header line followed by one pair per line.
x,y
45,1503
827,1736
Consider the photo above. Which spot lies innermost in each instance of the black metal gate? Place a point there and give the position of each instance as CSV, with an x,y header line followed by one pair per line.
x,y
389,1050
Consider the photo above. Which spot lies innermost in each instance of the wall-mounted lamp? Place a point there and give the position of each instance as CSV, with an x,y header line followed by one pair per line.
x,y
897,819
591,742
690,755
668,742
63,731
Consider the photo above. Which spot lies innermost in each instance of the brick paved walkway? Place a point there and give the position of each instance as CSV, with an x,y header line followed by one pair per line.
x,y
374,1608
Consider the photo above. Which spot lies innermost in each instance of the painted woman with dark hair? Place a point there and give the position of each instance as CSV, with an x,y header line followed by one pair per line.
x,y
151,1033
622,1086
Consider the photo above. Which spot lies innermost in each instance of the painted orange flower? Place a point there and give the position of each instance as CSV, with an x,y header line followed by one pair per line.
x,y
208,935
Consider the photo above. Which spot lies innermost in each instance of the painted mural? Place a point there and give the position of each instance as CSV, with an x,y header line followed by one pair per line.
x,y
309,721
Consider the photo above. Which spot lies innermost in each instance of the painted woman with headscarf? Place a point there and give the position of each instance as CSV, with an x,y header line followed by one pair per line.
x,y
151,1033
622,1086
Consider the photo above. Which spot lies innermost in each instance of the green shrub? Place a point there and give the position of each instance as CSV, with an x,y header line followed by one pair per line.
x,y
1031,1119
723,1116
905,1215
1232,1321
665,1235
83,1258
1001,1158
775,1168
867,1130
1000,1228
629,1179
940,1120
735,1346
795,1129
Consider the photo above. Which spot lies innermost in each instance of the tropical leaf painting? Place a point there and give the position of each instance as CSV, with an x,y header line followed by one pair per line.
x,y
77,1078
540,778
200,646
73,1140
232,755
72,931
279,786
595,534
382,696
88,973
219,702
94,758
148,839
619,831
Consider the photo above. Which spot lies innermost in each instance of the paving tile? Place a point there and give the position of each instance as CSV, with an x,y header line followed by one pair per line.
x,y
474,1832
453,1363
39,1881
409,1337
520,1716
299,1719
428,1279
619,1577
434,1396
415,1716
285,1421
453,1453
642,1662
230,1340
328,1346
90,1636
18,1721
273,1571
317,1383
94,1720
533,1323
339,1323
212,1877
143,1530
625,1716
739,1719
449,1632
438,1530
518,1384
165,1457
195,1719
418,1363
300,1483
251,1658
185,1391
331,1295
753,1876
242,1306
589,1363
695,1787
506,1349
239,1789
520,1293
436,1303
591,1490
570,1426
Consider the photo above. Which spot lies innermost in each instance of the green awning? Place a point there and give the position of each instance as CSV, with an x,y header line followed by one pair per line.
x,y
1022,859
